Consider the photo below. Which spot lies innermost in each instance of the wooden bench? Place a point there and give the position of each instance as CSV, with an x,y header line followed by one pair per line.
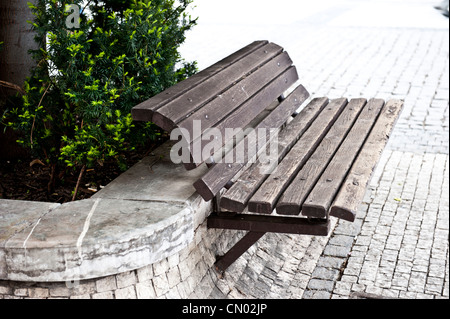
x,y
325,152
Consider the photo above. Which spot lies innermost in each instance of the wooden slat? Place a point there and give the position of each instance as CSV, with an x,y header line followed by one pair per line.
x,y
318,202
270,224
225,103
353,189
246,113
144,111
265,198
182,107
237,197
218,176
291,201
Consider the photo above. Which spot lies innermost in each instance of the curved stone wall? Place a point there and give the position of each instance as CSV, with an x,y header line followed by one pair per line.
x,y
188,273
143,236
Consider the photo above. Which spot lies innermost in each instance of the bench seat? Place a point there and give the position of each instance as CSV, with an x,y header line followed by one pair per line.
x,y
341,147
285,167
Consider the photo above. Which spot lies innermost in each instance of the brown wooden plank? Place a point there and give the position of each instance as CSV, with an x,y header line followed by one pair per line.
x,y
353,189
218,176
144,111
270,224
319,200
273,121
265,198
224,104
291,201
247,112
237,250
237,197
182,107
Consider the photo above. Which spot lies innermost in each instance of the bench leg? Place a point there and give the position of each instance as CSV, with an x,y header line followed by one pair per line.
x,y
237,250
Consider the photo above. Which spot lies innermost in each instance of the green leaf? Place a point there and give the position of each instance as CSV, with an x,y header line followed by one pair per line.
x,y
31,5
98,72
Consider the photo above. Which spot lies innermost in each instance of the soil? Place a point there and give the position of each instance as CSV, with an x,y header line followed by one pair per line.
x,y
28,178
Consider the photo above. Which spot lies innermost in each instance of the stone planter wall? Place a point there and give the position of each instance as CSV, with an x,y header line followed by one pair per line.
x,y
187,274
143,236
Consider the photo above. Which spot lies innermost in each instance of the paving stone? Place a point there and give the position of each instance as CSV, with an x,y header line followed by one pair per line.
x,y
342,288
417,282
106,284
85,296
331,262
325,273
161,267
341,240
145,290
4,289
390,293
316,294
336,251
320,284
38,293
400,279
103,295
60,292
126,279
21,292
161,285
126,293
173,277
144,274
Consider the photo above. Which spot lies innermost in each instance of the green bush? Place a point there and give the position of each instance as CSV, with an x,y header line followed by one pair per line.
x,y
76,110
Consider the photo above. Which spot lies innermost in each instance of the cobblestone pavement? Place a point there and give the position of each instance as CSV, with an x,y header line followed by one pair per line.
x,y
398,246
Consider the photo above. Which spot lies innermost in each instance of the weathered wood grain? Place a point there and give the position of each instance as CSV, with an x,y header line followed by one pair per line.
x,y
246,113
219,175
264,200
291,201
144,111
353,189
236,198
319,200
216,110
184,106
270,224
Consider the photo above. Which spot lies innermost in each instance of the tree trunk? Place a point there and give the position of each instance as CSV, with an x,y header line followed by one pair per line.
x,y
17,38
15,62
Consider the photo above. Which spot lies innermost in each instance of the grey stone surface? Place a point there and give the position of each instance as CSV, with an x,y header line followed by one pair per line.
x,y
155,178
81,240
19,215
148,214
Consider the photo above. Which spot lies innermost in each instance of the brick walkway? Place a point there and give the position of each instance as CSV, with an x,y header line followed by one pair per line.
x,y
398,246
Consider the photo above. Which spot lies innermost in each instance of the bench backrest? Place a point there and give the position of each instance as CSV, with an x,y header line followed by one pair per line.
x,y
244,90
